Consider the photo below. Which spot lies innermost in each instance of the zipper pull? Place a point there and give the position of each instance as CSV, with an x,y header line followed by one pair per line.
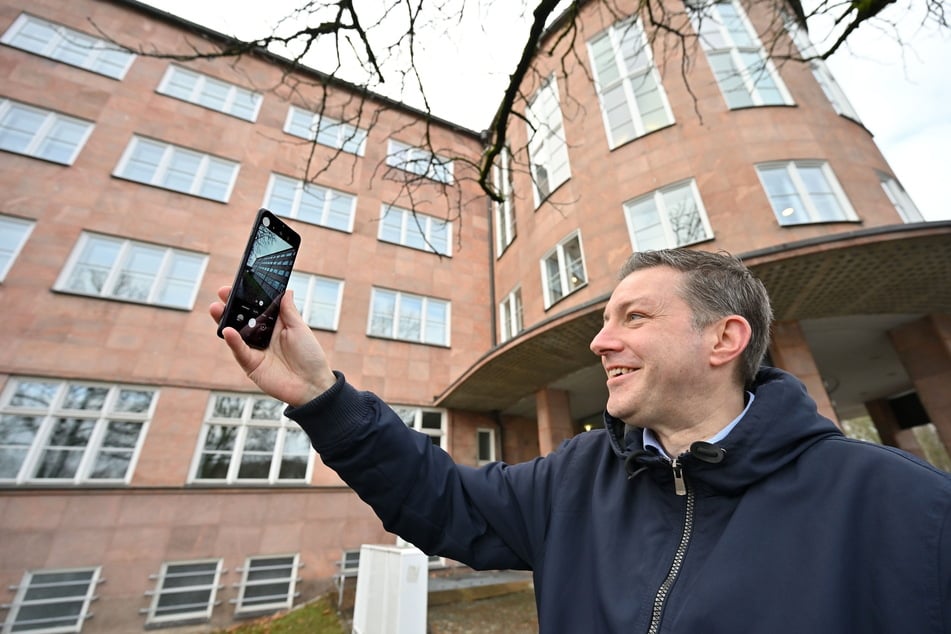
x,y
680,487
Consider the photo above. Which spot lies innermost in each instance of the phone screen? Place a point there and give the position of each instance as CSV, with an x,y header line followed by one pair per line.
x,y
261,280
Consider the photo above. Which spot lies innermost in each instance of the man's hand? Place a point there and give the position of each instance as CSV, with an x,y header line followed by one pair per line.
x,y
293,369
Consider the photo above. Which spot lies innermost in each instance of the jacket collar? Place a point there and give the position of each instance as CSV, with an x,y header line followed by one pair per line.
x,y
781,423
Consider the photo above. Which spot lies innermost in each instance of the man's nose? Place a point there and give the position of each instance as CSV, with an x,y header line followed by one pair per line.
x,y
604,341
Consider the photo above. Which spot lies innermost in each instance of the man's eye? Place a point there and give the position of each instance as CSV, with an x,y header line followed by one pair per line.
x,y
634,316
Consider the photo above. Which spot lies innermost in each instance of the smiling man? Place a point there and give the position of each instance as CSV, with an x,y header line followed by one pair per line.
x,y
715,499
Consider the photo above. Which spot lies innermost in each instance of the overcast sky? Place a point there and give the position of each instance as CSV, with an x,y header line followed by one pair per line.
x,y
902,94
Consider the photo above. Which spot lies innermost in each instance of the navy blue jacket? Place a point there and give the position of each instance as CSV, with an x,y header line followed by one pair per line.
x,y
786,527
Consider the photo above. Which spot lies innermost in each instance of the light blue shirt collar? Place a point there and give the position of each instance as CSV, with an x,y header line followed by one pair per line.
x,y
650,440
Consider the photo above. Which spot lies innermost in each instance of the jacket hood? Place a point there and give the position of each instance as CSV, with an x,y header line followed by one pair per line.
x,y
781,424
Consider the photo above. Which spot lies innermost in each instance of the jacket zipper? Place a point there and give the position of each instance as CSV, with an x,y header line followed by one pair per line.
x,y
680,487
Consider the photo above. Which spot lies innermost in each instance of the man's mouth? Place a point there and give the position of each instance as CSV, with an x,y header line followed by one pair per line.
x,y
613,372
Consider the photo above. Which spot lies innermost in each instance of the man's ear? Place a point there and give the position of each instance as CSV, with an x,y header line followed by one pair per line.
x,y
732,336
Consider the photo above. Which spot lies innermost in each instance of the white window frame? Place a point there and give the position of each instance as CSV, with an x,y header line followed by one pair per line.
x,y
559,255
904,205
480,458
660,199
245,428
505,228
245,605
820,70
748,75
547,146
292,206
415,417
18,230
125,250
415,160
44,417
416,230
202,612
198,94
398,299
63,40
43,135
304,286
29,585
326,131
791,169
166,166
634,81
511,315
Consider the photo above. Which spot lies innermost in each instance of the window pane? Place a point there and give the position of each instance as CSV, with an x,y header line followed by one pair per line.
x,y
85,397
178,285
134,401
437,319
281,199
182,170
411,316
61,141
92,269
34,394
18,128
144,162
17,434
138,273
382,313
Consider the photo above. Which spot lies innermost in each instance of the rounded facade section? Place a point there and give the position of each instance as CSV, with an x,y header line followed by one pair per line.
x,y
667,145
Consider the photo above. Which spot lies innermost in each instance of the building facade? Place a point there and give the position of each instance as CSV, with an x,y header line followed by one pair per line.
x,y
145,483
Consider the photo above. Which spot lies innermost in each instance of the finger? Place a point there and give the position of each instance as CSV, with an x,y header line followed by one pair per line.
x,y
243,354
216,310
223,293
289,313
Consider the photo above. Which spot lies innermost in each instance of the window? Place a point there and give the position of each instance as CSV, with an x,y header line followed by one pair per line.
x,y
72,432
13,235
267,584
184,591
803,192
108,267
176,168
505,210
669,217
68,46
416,230
899,197
318,299
633,101
419,161
431,422
311,203
563,270
547,148
820,70
510,315
247,440
397,315
53,601
745,75
209,92
325,130
41,133
485,446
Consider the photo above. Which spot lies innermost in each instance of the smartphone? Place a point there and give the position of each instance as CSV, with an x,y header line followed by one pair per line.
x,y
261,280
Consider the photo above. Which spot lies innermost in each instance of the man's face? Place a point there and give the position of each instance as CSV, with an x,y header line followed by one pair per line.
x,y
657,363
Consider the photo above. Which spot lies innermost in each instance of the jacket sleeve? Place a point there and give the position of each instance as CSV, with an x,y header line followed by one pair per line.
x,y
488,518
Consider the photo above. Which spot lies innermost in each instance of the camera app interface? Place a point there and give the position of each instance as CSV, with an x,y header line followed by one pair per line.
x,y
261,284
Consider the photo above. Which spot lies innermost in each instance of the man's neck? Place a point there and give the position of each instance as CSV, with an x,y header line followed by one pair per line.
x,y
677,440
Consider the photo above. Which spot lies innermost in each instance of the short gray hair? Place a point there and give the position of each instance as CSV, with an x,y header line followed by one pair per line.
x,y
717,285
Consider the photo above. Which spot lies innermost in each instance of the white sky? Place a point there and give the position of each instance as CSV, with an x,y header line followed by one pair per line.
x,y
902,94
